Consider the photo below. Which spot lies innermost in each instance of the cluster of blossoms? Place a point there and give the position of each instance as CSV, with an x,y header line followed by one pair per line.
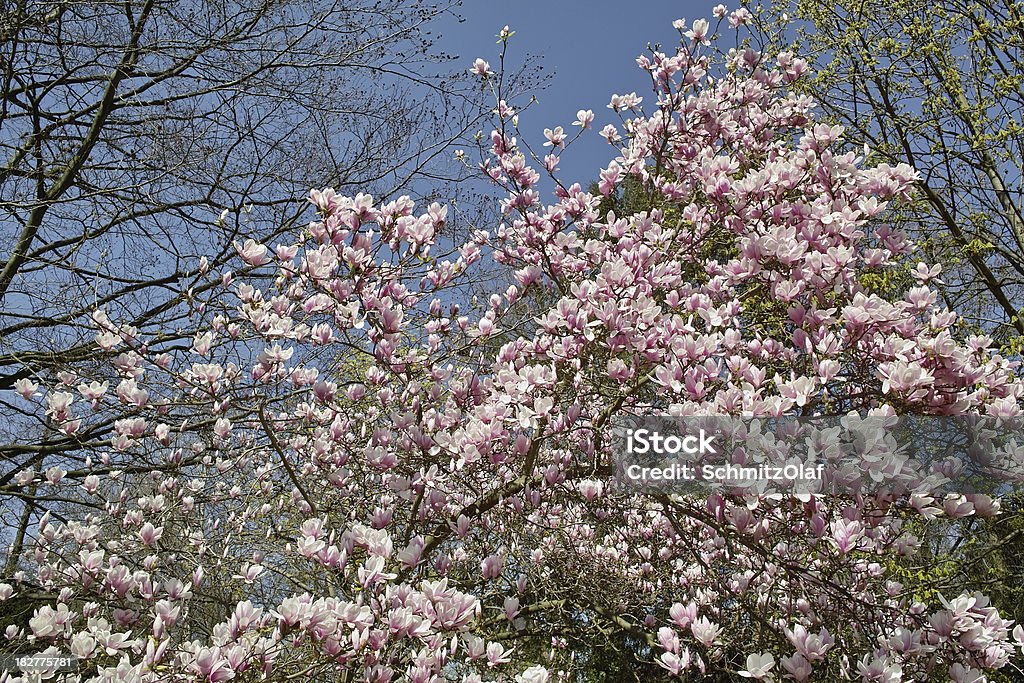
x,y
347,472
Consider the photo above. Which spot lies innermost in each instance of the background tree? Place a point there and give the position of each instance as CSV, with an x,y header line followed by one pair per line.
x,y
127,128
139,140
940,86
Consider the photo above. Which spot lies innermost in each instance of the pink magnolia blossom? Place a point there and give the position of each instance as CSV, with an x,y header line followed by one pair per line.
x,y
534,674
26,388
252,252
554,137
705,631
699,32
584,118
798,668
481,68
758,666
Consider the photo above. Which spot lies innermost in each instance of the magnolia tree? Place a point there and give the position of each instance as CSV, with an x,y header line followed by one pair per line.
x,y
346,477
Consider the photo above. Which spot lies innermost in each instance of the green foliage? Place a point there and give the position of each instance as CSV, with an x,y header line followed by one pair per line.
x,y
938,85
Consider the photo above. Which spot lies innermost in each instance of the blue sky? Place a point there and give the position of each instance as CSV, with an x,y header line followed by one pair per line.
x,y
588,49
